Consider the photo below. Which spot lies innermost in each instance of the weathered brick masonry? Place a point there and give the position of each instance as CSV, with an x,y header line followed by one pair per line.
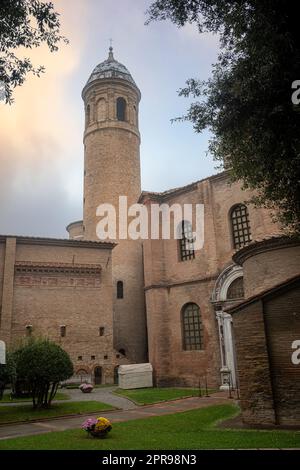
x,y
48,285
266,326
171,283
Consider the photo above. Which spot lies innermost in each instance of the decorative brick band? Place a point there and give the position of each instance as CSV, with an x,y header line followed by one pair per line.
x,y
22,267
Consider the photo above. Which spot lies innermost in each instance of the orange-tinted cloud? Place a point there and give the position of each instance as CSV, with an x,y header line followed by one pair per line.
x,y
37,132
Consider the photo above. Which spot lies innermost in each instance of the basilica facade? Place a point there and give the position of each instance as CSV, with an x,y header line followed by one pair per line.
x,y
119,301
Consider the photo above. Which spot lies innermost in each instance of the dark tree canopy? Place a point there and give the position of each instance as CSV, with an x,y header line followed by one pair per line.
x,y
43,364
28,24
247,101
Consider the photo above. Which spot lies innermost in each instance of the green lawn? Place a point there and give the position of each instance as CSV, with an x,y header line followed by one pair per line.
x,y
189,430
146,396
26,413
6,398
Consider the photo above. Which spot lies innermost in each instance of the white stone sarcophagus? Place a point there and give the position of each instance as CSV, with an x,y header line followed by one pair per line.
x,y
135,376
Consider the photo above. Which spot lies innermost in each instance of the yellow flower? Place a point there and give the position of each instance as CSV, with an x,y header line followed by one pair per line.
x,y
102,424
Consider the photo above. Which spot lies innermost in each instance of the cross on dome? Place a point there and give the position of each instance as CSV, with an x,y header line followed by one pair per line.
x,y
110,54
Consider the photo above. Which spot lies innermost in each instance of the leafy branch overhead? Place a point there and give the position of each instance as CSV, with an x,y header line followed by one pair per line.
x,y
247,101
24,24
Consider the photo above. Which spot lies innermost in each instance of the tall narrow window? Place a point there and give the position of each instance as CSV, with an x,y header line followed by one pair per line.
x,y
240,224
88,115
121,109
101,331
98,375
192,328
63,331
120,290
186,242
135,121
28,330
116,375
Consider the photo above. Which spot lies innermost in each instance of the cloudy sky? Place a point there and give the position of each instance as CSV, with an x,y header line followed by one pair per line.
x,y
41,147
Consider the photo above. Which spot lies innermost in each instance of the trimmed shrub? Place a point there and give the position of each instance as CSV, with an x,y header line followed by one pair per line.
x,y
43,365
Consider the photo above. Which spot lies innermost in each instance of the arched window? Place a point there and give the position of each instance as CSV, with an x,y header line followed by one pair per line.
x,y
29,330
186,242
120,290
121,109
83,375
101,109
98,375
82,372
236,289
101,330
116,375
240,226
88,115
192,328
135,121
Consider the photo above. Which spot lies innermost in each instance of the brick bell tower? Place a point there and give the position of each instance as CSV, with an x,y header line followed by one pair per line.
x,y
112,169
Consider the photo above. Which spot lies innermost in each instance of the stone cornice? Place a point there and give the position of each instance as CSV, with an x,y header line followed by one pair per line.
x,y
109,125
261,246
285,285
26,240
108,82
165,195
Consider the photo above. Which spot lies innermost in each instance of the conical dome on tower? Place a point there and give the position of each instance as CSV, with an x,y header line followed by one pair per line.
x,y
110,69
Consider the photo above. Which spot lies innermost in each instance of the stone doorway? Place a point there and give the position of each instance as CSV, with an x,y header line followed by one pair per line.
x,y
228,291
98,375
116,375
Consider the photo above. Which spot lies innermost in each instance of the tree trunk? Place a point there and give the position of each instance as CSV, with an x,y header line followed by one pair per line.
x,y
53,392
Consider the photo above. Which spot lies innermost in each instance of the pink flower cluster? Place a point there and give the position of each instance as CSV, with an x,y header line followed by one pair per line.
x,y
86,388
89,424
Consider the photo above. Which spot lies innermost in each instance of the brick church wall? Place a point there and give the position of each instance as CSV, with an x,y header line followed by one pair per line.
x,y
265,327
171,283
283,327
57,284
253,365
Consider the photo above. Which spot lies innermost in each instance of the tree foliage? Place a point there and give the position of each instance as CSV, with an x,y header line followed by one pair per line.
x,y
247,101
43,364
24,24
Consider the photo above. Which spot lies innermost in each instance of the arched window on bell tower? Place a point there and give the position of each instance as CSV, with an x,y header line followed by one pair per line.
x,y
135,116
120,290
121,109
88,115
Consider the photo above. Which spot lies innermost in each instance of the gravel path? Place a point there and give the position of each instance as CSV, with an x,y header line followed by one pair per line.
x,y
104,395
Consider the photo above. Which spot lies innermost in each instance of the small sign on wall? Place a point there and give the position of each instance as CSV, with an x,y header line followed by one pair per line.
x,y
2,352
